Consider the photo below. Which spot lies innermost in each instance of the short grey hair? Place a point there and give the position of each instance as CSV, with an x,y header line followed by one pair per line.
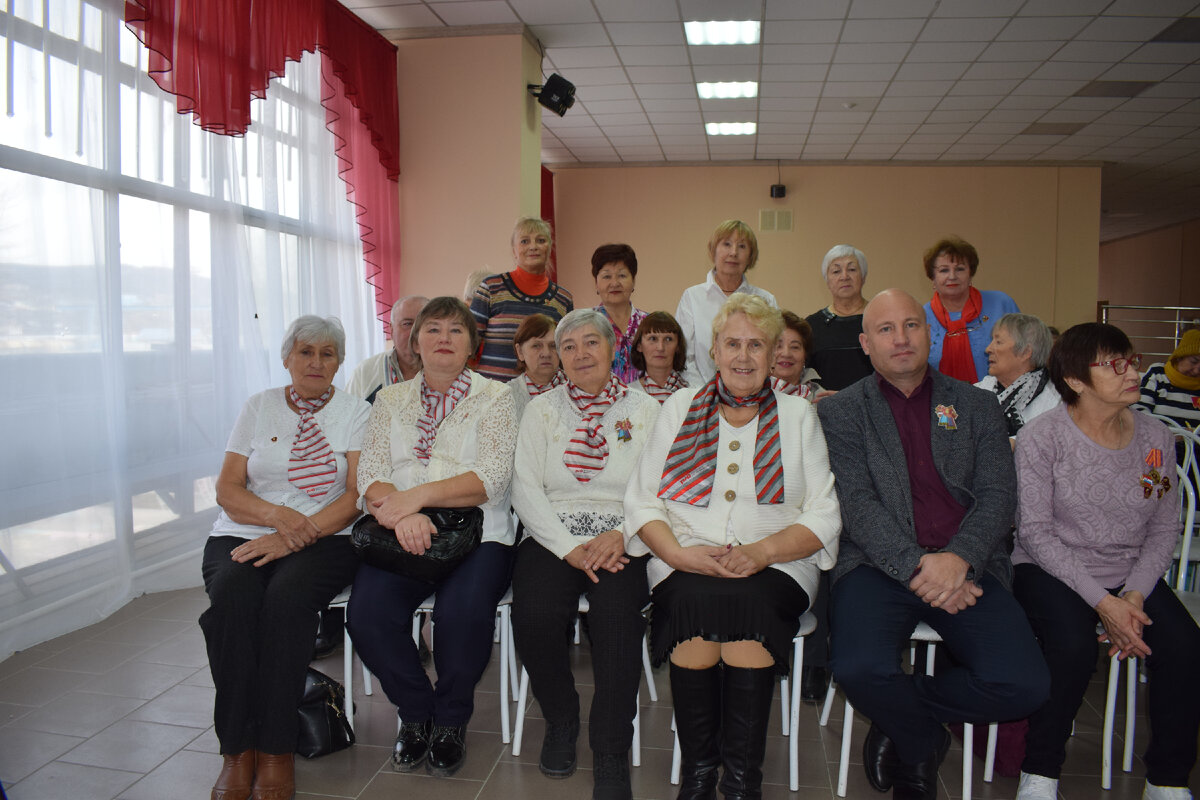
x,y
315,330
1028,334
394,318
841,251
581,317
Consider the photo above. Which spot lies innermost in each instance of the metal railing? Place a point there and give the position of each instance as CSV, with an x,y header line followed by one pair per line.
x,y
1154,330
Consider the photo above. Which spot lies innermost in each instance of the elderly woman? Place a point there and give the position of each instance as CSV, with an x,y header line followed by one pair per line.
x,y
960,316
732,250
614,268
734,497
789,374
1097,524
444,439
274,559
659,354
835,352
502,301
1017,369
576,450
1173,389
537,360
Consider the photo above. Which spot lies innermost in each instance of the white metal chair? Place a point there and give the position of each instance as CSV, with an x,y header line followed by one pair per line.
x,y
523,694
341,601
789,703
922,633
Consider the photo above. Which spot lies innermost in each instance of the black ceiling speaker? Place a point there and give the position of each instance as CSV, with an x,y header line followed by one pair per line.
x,y
557,94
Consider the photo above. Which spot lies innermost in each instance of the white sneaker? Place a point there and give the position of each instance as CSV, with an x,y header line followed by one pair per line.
x,y
1153,792
1037,787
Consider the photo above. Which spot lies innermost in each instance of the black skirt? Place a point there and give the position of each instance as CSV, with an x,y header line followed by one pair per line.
x,y
765,607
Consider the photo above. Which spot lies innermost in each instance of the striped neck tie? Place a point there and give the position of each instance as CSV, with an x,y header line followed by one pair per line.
x,y
660,393
587,452
311,467
435,407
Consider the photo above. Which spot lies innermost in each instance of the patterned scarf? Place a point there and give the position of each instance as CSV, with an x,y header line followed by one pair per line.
x,y
1017,396
534,390
311,467
957,360
804,390
587,453
660,393
435,407
691,466
393,373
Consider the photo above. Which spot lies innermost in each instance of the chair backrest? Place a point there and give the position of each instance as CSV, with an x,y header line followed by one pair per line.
x,y
1189,525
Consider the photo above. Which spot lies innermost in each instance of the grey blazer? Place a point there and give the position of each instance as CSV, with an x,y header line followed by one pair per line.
x,y
974,460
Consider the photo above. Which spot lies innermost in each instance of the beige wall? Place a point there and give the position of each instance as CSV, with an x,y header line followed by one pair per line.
x,y
1037,229
470,142
1160,268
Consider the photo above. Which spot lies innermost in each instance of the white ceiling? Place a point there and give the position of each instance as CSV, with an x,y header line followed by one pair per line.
x,y
871,81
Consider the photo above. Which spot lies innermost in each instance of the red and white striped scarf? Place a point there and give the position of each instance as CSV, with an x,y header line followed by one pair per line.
x,y
311,466
804,390
534,390
660,393
587,452
435,407
691,466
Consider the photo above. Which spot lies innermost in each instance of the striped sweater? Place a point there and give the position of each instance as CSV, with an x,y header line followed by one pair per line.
x,y
499,307
1162,397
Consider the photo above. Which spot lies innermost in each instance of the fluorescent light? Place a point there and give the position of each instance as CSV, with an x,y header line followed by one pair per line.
x,y
722,91
728,32
731,128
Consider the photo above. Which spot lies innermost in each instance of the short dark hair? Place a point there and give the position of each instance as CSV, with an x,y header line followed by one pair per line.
x,y
535,326
794,322
658,322
614,253
1080,346
955,247
445,308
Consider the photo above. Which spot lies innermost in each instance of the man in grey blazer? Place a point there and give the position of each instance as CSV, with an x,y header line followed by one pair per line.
x,y
928,491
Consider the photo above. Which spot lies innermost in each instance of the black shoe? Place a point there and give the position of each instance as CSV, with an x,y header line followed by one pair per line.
x,y
447,749
558,749
696,694
412,745
610,777
813,683
920,781
330,632
879,759
746,705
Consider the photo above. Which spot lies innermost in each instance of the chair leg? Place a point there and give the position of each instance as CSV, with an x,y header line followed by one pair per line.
x,y
1131,683
676,756
348,676
519,727
828,704
989,764
1110,707
649,672
636,755
784,711
968,768
844,763
504,626
794,714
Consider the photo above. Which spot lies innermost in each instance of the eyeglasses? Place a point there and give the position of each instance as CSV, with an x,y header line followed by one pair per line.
x,y
1119,365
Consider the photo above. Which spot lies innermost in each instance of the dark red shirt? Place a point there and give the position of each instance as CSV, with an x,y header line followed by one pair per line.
x,y
936,514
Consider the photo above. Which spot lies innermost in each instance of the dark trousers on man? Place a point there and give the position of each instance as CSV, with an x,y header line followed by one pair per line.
x,y
546,593
259,630
1066,629
999,676
464,617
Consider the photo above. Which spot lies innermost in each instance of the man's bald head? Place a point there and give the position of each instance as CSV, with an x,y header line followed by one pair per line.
x,y
896,337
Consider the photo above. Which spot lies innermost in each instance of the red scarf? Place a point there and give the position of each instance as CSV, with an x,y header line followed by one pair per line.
x,y
957,361
435,407
311,465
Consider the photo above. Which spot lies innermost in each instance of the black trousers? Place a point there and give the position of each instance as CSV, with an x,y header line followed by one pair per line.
x,y
259,630
1065,626
546,593
464,616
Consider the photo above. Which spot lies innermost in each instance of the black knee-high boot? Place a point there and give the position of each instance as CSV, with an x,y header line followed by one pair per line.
x,y
696,694
746,705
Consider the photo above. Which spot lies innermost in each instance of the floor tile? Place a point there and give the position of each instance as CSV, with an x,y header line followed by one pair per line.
x,y
191,706
146,632
139,679
345,772
96,657
23,752
389,785
131,745
186,774
78,714
185,650
59,780
37,686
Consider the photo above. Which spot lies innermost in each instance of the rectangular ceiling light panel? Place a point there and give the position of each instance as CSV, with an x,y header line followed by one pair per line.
x,y
727,32
731,128
728,90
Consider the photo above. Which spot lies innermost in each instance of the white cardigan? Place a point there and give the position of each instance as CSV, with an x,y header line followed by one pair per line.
x,y
733,515
478,436
543,487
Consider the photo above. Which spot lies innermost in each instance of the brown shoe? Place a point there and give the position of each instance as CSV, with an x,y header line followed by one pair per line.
x,y
237,775
275,778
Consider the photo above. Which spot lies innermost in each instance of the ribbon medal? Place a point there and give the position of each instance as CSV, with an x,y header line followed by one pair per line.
x,y
624,431
946,417
1154,458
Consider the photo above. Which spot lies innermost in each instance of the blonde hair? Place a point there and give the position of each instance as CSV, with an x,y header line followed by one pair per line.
x,y
761,314
738,229
531,225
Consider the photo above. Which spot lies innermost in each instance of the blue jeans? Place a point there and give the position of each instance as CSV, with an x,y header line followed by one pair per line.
x,y
999,673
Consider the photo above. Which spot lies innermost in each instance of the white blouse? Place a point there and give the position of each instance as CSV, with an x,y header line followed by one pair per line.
x,y
698,306
546,495
264,433
733,515
478,436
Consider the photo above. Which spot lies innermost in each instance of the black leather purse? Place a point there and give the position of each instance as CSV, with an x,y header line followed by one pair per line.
x,y
324,728
459,533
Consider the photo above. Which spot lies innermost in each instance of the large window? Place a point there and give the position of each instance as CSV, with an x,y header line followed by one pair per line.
x,y
149,270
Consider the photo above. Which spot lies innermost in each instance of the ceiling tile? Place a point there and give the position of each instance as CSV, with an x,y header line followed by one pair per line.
x,y
727,116
675,91
1123,29
1034,29
787,103
881,30
983,87
1140,72
790,89
874,9
933,138
1063,8
1019,51
698,139
1009,128
891,130
747,105
847,117
945,51
571,57
871,53
1191,73
596,76
919,88
933,71
640,153
729,72
988,70
898,116
956,115
850,103
610,121
1166,53
598,107
852,89
646,33
792,117
633,141
1062,89
908,103
570,35
961,30
983,139
729,54
622,91
788,128
810,9
798,53
793,72
1129,117
407,16
671,106
861,72
922,149
780,138
820,32
478,12
693,127
956,128
1151,8
873,151
650,56
1025,116
977,8
972,103
554,12
1069,70
1029,102
635,11
660,75
1143,103
825,151
1109,52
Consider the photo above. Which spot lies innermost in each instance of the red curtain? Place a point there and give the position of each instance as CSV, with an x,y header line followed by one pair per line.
x,y
548,215
215,56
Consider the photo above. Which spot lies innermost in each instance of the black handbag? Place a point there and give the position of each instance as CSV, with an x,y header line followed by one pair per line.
x,y
324,728
459,533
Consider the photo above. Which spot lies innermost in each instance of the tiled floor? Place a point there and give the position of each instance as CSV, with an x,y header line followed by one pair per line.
x,y
123,709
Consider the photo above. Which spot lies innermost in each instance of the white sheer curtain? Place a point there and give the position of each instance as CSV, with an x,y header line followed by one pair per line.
x,y
149,272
